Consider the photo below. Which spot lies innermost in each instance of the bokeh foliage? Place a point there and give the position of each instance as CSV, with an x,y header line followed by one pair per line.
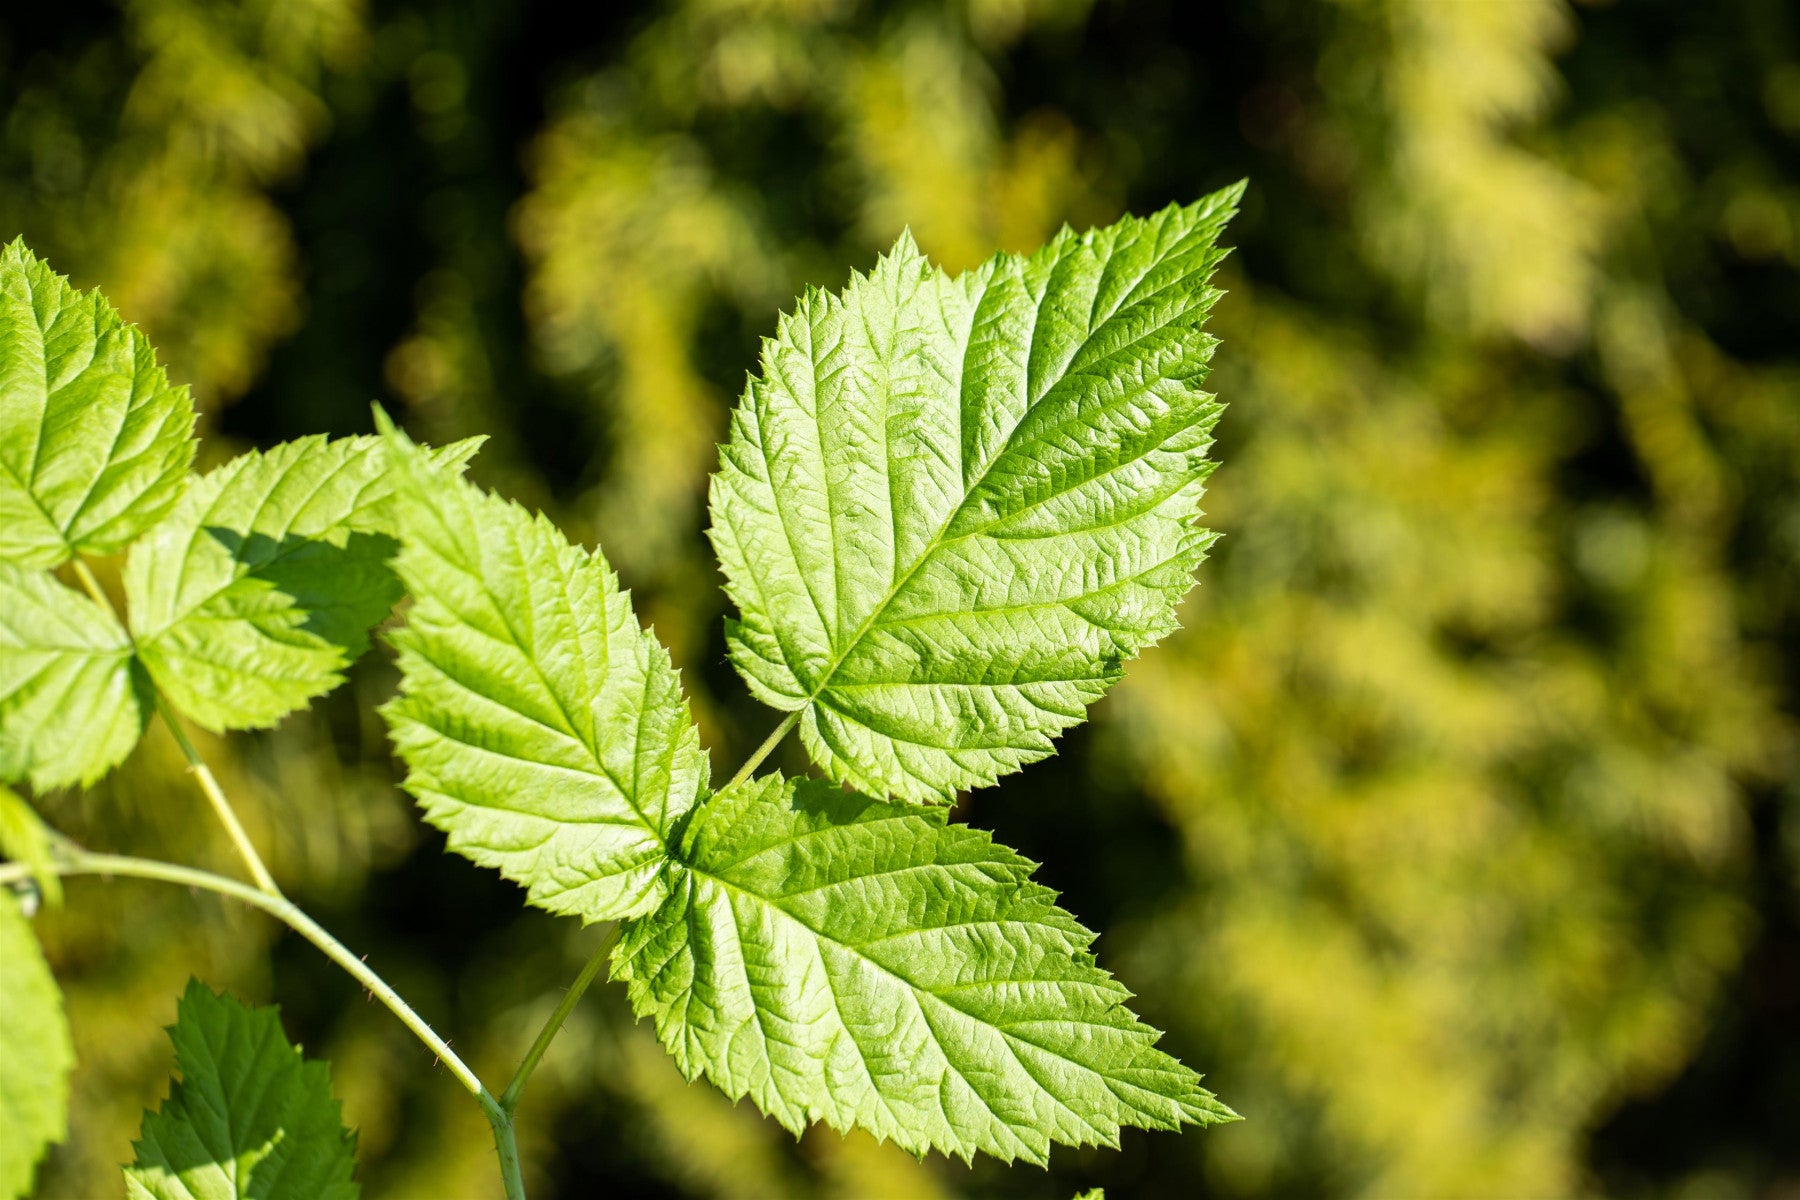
x,y
1454,835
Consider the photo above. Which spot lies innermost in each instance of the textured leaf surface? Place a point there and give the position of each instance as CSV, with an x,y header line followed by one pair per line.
x,y
70,709
262,584
249,1118
36,1054
542,728
94,443
951,508
862,963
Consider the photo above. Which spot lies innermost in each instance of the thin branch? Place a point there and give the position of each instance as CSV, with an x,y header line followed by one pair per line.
x,y
81,862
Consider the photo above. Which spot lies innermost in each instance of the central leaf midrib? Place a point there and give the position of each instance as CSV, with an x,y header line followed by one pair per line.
x,y
37,503
573,730
1012,1040
892,974
938,540
892,593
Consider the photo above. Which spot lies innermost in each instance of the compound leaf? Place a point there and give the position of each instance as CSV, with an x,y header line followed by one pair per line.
x,y
260,587
863,963
543,730
249,1118
70,706
35,1049
94,442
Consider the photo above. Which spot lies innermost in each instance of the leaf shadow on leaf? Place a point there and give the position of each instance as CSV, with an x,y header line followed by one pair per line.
x,y
842,806
338,591
143,691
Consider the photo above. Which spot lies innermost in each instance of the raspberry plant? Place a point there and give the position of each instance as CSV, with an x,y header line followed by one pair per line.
x,y
950,509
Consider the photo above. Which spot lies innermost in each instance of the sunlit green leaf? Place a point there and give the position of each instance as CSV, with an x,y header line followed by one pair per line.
x,y
94,443
862,963
951,508
249,1119
70,706
25,838
36,1054
542,728
261,586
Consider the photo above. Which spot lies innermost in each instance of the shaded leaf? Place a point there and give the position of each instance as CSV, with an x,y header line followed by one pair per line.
x,y
261,586
249,1119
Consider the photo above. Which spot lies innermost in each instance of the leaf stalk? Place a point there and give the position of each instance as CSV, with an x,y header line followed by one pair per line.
x,y
763,751
509,1099
91,585
221,805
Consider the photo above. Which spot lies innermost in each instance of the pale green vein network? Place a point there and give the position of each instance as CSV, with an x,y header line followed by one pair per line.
x,y
249,1119
94,442
867,964
35,1049
543,730
70,709
952,508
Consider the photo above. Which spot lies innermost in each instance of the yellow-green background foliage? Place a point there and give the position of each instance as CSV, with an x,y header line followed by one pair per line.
x,y
1451,837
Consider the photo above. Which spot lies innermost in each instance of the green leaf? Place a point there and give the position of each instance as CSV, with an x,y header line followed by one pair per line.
x,y
25,838
36,1054
951,508
94,443
260,587
841,959
70,706
249,1117
542,728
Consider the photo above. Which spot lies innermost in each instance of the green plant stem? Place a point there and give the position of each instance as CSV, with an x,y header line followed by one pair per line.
x,y
509,1099
506,1145
221,805
83,862
80,862
763,751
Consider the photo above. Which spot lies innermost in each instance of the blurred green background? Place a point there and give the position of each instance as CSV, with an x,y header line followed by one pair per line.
x,y
1456,839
